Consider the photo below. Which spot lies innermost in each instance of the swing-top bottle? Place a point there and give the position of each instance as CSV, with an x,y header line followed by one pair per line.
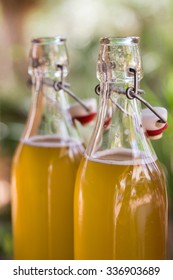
x,y
120,193
46,161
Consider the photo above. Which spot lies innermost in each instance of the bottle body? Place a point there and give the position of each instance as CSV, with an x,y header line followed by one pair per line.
x,y
45,166
43,183
120,205
122,209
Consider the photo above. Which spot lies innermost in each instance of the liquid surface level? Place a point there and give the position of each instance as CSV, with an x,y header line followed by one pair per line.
x,y
120,208
44,172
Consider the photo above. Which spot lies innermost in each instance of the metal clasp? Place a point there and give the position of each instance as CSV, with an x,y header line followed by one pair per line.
x,y
134,93
130,92
58,85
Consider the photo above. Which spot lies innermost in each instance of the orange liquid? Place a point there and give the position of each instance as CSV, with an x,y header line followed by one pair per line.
x,y
120,210
44,172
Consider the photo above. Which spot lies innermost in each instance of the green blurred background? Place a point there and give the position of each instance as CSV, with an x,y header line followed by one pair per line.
x,y
82,23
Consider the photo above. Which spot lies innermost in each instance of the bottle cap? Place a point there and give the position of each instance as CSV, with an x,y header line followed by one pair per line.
x,y
79,113
151,123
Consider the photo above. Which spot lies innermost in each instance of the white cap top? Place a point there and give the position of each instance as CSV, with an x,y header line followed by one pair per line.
x,y
77,110
151,122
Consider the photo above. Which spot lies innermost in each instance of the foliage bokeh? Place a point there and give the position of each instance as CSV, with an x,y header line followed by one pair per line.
x,y
82,23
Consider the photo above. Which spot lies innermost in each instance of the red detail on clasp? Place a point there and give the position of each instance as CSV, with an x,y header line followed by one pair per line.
x,y
156,132
85,119
107,122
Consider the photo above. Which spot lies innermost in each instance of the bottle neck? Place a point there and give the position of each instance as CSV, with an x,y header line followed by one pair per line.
x,y
49,114
118,124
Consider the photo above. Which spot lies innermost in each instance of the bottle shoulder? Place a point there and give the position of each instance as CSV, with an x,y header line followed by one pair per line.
x,y
122,156
47,144
119,163
141,175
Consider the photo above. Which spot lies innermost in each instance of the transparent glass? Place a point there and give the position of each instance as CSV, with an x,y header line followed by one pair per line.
x,y
45,162
45,54
120,193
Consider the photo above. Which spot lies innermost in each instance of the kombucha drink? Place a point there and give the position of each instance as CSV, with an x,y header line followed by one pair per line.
x,y
120,208
43,179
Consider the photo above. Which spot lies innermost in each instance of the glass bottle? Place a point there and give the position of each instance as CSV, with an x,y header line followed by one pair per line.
x,y
120,203
83,120
46,161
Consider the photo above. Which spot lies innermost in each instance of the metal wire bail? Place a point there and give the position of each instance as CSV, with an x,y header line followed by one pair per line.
x,y
131,93
134,93
58,85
